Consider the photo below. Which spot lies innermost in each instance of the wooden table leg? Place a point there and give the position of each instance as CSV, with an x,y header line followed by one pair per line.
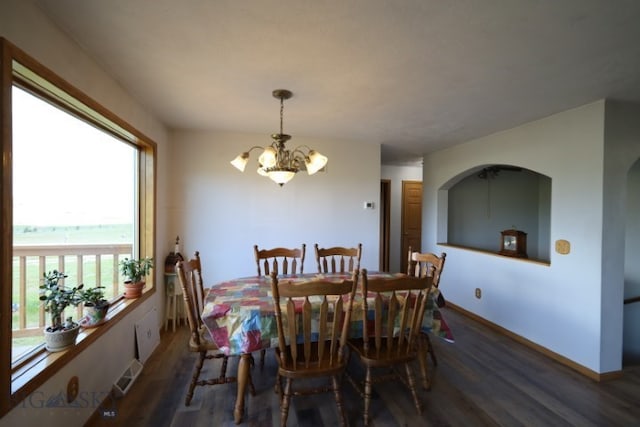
x,y
243,378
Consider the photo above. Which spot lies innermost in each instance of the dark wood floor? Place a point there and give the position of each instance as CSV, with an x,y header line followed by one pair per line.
x,y
483,379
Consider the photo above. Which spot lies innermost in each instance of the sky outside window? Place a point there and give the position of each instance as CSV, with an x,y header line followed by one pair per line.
x,y
67,172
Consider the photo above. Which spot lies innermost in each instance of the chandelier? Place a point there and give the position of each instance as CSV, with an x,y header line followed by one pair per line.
x,y
278,163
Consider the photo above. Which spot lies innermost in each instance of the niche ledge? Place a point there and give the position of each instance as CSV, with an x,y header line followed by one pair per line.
x,y
483,251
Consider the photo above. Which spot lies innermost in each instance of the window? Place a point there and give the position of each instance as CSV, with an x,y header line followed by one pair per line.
x,y
74,178
73,209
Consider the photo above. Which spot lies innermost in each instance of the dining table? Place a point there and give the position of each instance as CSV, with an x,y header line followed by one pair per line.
x,y
240,317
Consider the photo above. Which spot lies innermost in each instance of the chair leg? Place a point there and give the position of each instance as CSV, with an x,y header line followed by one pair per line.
x,y
338,395
223,368
422,361
284,405
412,386
167,310
263,352
278,386
431,352
174,312
194,377
367,395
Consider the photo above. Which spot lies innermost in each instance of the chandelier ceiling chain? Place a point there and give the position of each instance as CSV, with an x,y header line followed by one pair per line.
x,y
278,163
281,112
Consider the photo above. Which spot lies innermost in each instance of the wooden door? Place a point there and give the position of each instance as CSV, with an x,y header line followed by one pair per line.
x,y
385,221
411,220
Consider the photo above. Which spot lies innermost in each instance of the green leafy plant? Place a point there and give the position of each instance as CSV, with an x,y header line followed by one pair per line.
x,y
135,269
93,297
57,297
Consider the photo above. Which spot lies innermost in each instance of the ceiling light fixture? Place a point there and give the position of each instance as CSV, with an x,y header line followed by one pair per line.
x,y
278,163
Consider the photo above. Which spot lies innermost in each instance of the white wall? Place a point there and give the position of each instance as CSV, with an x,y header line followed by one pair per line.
x,y
98,366
556,306
222,212
397,174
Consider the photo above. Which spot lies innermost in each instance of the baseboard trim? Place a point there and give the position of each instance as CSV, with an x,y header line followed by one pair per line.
x,y
605,376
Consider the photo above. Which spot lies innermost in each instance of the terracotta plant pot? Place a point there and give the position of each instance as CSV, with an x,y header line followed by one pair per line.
x,y
61,340
94,316
133,289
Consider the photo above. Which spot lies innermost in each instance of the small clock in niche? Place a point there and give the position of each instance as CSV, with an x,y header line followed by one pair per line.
x,y
513,243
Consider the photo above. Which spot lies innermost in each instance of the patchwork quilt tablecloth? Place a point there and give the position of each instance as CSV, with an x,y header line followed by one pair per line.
x,y
239,313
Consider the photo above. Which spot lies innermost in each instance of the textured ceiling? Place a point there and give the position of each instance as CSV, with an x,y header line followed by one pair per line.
x,y
412,75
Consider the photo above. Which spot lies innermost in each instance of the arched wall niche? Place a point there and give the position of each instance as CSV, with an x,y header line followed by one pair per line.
x,y
631,316
477,204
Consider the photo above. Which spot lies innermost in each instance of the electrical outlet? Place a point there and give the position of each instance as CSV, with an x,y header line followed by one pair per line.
x,y
478,293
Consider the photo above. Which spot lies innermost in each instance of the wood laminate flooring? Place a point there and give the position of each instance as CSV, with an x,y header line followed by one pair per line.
x,y
483,379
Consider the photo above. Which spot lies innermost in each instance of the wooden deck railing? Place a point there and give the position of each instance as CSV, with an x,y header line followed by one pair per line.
x,y
83,264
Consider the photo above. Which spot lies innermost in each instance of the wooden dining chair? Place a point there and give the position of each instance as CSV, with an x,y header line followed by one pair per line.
x,y
280,260
312,336
273,260
390,335
190,278
421,265
338,259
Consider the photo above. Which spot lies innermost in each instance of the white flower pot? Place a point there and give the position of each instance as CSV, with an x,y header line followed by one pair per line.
x,y
61,340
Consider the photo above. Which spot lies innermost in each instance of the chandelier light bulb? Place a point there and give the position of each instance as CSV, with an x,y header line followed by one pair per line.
x,y
281,177
268,157
240,162
315,161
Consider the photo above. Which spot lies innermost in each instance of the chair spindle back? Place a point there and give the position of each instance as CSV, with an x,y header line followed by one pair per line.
x,y
398,308
419,265
190,278
280,260
338,259
332,325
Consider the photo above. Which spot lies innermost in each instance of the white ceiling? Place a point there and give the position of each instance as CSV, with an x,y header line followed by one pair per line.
x,y
412,75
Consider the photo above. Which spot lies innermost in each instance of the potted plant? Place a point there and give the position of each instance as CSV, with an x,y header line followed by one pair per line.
x,y
95,306
56,297
134,271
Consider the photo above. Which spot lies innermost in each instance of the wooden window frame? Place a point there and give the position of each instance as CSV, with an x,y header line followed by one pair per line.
x,y
18,68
